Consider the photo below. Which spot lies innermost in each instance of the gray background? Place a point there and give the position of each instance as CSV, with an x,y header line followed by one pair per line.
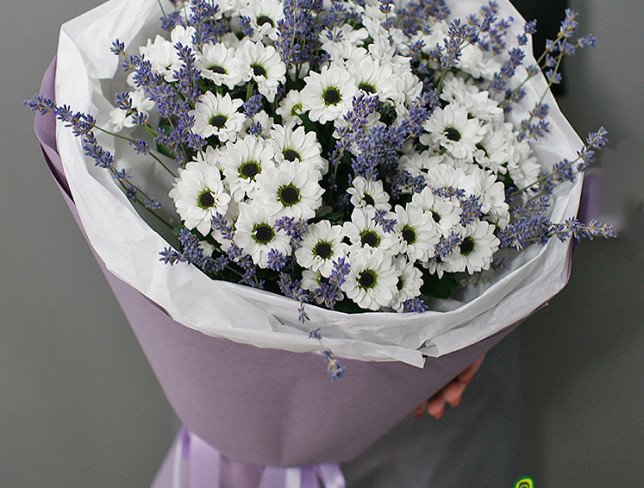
x,y
80,407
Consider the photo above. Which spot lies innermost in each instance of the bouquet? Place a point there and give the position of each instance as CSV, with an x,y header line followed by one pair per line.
x,y
373,180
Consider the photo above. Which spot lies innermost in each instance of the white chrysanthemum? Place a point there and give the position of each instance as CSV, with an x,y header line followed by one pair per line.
x,y
296,145
224,7
445,176
484,108
298,71
408,147
523,167
256,235
477,103
345,33
119,118
162,54
264,16
290,190
342,39
368,194
211,156
182,35
386,53
462,164
373,18
198,195
290,108
452,130
311,281
476,62
410,281
401,39
344,52
418,232
207,248
364,232
230,39
141,102
217,115
372,78
219,64
372,120
444,211
328,95
372,280
264,66
436,267
243,161
407,88
321,246
490,194
457,89
373,10
418,163
439,31
259,124
475,251
493,151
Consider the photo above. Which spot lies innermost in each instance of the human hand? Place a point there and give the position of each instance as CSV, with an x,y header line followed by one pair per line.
x,y
451,394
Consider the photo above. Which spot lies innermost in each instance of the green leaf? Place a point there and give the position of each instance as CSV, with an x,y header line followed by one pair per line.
x,y
337,216
347,306
438,287
163,149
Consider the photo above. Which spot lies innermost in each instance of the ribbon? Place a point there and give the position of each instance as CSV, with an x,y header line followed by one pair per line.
x,y
196,464
306,477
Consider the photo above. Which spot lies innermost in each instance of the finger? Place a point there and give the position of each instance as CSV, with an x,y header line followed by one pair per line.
x,y
472,369
436,408
468,374
419,411
453,393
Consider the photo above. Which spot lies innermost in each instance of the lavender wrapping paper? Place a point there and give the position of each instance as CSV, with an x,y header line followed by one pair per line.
x,y
266,406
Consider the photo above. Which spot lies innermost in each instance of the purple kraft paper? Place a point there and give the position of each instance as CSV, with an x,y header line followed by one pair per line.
x,y
268,407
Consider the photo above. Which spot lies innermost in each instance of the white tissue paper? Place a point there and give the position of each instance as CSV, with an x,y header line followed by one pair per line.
x,y
130,248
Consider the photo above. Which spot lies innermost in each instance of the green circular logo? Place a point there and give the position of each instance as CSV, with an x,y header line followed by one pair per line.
x,y
524,482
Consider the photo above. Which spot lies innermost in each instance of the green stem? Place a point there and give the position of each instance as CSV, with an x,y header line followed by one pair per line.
x,y
508,99
162,9
539,180
154,214
238,273
249,90
551,80
158,160
129,139
288,61
440,81
446,70
150,130
158,217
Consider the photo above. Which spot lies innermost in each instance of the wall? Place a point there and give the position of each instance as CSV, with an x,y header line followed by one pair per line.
x,y
582,356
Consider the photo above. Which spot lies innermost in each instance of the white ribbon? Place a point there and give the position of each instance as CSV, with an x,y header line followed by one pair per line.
x,y
196,464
